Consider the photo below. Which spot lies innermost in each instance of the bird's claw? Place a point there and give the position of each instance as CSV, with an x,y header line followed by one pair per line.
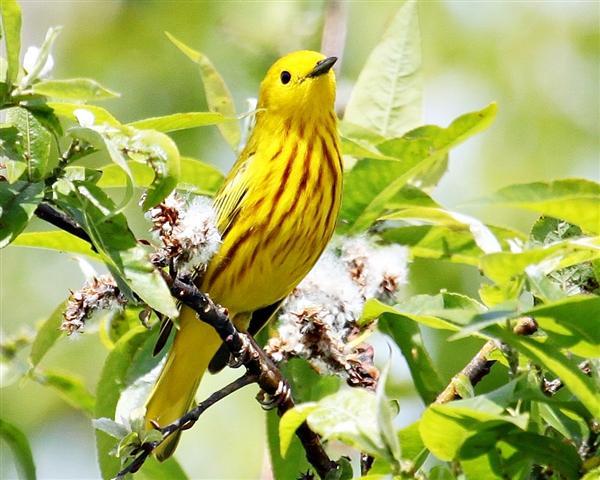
x,y
243,355
281,395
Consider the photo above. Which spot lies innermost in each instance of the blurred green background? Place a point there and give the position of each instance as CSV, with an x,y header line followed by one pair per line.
x,y
538,60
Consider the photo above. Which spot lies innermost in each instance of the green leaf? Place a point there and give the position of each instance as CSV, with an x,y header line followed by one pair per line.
x,y
218,97
110,427
196,176
67,110
155,470
387,94
33,143
502,267
58,240
550,357
152,148
407,335
545,450
180,121
160,152
411,445
464,429
11,28
350,416
127,260
289,423
12,153
111,384
71,389
42,57
47,335
572,324
574,200
372,184
482,235
18,443
73,89
18,202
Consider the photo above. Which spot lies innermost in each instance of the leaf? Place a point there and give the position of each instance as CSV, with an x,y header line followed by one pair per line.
x,y
108,391
18,443
482,235
152,148
407,335
550,357
84,89
411,445
289,423
160,152
11,23
127,260
69,388
180,121
372,184
545,450
458,430
218,97
33,142
350,416
67,110
18,202
42,57
58,240
574,200
444,243
504,266
196,176
47,335
110,427
12,153
387,94
571,323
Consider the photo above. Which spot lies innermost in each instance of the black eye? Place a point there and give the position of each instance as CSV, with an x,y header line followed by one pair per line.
x,y
285,77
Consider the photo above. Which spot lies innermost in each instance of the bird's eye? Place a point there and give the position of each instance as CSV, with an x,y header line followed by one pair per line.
x,y
285,77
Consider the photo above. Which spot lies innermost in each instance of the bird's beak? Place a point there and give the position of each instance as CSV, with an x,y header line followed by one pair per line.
x,y
322,67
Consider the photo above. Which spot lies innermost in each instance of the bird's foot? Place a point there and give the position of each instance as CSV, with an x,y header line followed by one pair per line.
x,y
271,401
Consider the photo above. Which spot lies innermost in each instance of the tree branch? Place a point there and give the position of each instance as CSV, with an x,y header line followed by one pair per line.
x,y
61,220
480,365
258,366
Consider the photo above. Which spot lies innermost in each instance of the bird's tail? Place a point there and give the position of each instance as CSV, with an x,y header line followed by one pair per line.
x,y
194,345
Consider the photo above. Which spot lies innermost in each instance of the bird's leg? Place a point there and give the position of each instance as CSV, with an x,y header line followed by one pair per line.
x,y
281,396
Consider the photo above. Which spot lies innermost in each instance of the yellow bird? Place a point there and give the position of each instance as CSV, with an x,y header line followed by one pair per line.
x,y
276,212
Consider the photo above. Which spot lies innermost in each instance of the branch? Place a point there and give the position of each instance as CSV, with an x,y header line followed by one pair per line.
x,y
334,30
63,221
551,387
480,365
258,365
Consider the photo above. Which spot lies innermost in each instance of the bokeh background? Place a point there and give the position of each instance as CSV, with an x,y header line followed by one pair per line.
x,y
538,59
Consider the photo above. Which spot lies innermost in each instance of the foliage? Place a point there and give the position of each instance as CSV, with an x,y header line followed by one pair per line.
x,y
523,429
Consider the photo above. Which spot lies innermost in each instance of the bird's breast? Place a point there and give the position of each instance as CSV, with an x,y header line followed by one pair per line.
x,y
284,222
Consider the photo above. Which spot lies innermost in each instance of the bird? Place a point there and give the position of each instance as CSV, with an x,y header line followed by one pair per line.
x,y
276,211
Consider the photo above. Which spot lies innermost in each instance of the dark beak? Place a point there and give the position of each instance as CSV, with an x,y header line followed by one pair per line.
x,y
322,67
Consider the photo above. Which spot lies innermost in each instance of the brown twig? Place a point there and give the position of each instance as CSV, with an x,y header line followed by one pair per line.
x,y
334,30
61,220
183,423
480,365
258,365
551,387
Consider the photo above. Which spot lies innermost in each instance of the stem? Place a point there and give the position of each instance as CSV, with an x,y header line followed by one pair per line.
x,y
61,220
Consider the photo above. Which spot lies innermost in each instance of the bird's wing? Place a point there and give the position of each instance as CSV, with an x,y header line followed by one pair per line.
x,y
228,199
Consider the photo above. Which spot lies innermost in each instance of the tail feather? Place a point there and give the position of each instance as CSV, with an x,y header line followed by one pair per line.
x,y
194,345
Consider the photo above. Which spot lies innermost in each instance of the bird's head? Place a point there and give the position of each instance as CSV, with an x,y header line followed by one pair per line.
x,y
299,83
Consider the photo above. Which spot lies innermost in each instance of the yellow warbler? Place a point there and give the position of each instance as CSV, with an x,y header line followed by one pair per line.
x,y
276,211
